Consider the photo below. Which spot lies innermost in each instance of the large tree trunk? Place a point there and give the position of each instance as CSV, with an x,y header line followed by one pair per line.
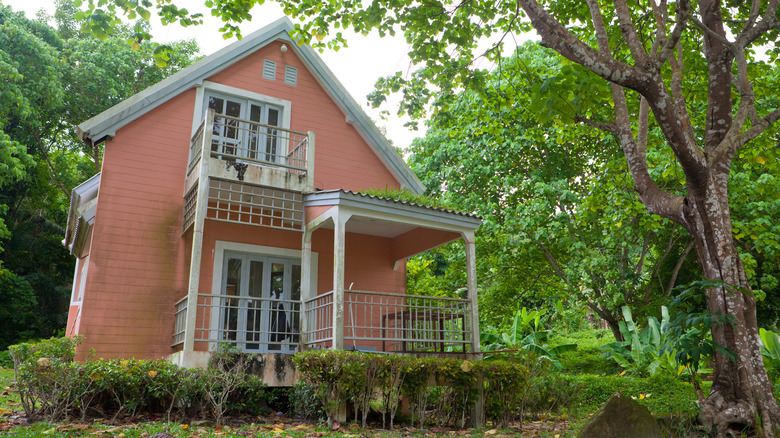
x,y
741,394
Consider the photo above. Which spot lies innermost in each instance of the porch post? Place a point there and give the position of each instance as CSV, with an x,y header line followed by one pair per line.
x,y
310,162
306,289
477,414
339,233
471,285
197,236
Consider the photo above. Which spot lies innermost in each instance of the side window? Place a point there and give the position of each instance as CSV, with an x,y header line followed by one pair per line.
x,y
81,279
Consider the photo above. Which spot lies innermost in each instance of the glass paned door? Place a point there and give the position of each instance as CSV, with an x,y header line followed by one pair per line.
x,y
261,302
226,132
244,139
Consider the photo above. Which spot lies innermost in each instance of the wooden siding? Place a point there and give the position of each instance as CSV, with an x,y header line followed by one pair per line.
x,y
342,159
138,259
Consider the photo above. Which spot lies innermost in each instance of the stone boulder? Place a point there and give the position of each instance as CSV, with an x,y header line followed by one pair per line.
x,y
621,417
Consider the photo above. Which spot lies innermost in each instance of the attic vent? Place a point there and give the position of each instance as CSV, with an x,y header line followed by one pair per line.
x,y
269,69
290,75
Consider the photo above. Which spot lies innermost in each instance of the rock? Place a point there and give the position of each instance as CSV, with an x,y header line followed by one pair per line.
x,y
621,417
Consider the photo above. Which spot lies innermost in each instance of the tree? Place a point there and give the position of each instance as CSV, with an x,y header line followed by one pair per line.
x,y
649,56
41,158
560,218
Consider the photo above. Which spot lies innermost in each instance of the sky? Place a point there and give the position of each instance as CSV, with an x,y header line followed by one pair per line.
x,y
357,66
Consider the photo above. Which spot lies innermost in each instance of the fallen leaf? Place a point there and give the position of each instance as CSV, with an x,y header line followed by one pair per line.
x,y
491,432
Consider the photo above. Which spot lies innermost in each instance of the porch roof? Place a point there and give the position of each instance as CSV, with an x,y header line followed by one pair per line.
x,y
413,228
392,210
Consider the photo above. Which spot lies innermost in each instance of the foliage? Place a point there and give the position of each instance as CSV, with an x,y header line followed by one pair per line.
x,y
41,157
689,329
527,333
54,387
412,198
649,351
771,350
337,376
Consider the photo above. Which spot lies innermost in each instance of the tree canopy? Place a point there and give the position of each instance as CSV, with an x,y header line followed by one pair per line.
x,y
54,78
682,88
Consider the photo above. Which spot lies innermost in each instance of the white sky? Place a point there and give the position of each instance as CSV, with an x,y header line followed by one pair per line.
x,y
357,67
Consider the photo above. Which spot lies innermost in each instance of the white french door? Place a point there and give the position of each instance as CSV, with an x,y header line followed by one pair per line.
x,y
234,138
261,302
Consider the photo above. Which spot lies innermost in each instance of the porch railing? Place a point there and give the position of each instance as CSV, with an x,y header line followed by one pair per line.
x,y
373,321
318,312
252,324
391,322
235,139
180,321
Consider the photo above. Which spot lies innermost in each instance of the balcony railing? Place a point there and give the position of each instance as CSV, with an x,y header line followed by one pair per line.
x,y
373,321
248,142
180,321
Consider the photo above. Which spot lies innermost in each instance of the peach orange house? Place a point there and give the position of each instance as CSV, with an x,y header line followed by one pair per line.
x,y
217,218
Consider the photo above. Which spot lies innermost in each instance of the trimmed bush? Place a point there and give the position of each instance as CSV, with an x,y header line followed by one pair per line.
x,y
53,387
451,387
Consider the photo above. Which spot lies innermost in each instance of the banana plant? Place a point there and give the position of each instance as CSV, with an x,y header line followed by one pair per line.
x,y
770,349
642,352
526,333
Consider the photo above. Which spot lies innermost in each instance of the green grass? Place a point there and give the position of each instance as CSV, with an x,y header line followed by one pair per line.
x,y
9,400
63,430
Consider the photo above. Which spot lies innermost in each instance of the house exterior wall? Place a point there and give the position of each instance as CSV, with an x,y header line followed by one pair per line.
x,y
139,261
137,258
342,159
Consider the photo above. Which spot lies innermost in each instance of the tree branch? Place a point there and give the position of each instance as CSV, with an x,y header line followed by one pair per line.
x,y
557,37
54,172
753,30
677,267
635,45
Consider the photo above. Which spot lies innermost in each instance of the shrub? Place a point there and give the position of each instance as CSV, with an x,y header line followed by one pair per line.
x,y
450,386
51,385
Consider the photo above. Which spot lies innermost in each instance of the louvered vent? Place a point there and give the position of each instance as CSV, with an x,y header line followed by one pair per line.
x,y
290,75
269,69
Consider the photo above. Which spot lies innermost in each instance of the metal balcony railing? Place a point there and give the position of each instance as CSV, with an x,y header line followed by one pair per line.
x,y
248,142
252,324
373,321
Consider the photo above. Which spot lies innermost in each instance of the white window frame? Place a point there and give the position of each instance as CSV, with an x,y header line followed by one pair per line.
x,y
237,93
79,281
222,246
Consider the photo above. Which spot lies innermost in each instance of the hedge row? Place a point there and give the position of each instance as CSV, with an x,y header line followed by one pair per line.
x,y
52,386
450,386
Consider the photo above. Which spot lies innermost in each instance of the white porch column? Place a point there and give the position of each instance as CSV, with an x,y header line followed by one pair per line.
x,y
310,162
306,287
471,285
339,233
197,235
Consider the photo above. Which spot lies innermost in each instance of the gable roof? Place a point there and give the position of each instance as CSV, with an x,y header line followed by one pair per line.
x,y
105,124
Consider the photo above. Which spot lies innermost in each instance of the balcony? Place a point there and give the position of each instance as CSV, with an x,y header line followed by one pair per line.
x,y
250,152
373,321
247,172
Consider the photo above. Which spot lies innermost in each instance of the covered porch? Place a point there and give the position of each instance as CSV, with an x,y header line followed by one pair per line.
x,y
313,303
386,320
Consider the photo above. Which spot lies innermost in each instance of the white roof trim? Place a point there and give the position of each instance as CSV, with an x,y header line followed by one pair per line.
x,y
109,121
83,200
404,211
